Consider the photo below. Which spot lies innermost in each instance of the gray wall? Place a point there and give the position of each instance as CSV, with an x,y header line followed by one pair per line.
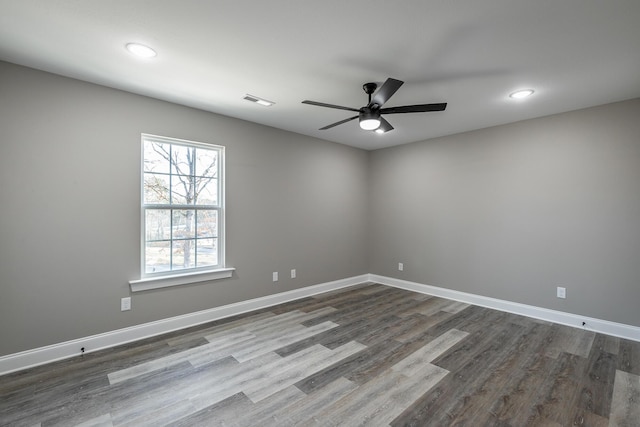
x,y
513,211
507,212
70,197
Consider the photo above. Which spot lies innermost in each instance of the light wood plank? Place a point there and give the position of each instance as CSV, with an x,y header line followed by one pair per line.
x,y
418,359
219,387
101,421
297,371
625,404
217,327
314,403
381,400
260,346
216,349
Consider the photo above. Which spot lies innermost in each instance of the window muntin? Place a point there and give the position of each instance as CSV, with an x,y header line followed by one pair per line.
x,y
182,206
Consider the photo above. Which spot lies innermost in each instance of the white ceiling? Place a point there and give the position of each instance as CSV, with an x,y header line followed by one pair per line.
x,y
469,53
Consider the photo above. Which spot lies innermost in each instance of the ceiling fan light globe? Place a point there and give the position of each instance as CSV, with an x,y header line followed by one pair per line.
x,y
369,123
369,120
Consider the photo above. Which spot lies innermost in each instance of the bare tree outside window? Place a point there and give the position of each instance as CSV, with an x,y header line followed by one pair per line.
x,y
181,201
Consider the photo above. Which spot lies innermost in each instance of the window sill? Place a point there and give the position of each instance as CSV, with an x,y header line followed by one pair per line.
x,y
149,283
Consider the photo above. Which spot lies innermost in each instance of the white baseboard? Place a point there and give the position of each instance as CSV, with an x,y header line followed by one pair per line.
x,y
597,325
39,356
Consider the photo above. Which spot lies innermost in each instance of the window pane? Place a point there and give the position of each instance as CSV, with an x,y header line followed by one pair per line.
x,y
207,252
207,191
207,163
157,224
156,189
184,224
183,252
207,223
157,257
182,189
156,157
182,160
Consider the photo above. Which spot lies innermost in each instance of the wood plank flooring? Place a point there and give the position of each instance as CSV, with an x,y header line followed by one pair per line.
x,y
368,355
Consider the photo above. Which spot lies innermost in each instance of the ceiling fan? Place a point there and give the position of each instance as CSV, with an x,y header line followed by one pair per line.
x,y
370,115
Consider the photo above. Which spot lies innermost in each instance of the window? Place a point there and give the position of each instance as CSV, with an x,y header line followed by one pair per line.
x,y
182,207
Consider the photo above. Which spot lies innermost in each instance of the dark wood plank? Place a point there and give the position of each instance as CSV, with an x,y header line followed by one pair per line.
x,y
331,339
559,392
355,366
470,363
512,408
475,406
426,323
222,413
597,381
629,357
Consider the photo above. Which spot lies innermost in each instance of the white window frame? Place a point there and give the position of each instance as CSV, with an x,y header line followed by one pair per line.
x,y
189,275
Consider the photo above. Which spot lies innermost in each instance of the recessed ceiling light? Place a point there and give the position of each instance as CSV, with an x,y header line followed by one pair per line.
x,y
258,100
520,94
141,50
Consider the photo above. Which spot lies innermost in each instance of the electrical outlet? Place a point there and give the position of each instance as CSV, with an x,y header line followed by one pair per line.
x,y
400,266
561,292
293,273
275,276
125,304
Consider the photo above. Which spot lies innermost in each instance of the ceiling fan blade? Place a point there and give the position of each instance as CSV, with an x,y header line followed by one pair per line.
x,y
386,91
385,126
338,123
421,108
322,104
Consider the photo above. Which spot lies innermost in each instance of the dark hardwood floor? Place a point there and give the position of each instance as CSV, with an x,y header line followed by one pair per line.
x,y
367,355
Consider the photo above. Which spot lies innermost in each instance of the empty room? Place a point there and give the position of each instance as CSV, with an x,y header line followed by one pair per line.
x,y
336,213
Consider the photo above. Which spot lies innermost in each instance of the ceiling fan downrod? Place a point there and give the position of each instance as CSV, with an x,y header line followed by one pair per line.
x,y
369,88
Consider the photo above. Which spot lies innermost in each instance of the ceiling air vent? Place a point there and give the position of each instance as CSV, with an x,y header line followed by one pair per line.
x,y
258,100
